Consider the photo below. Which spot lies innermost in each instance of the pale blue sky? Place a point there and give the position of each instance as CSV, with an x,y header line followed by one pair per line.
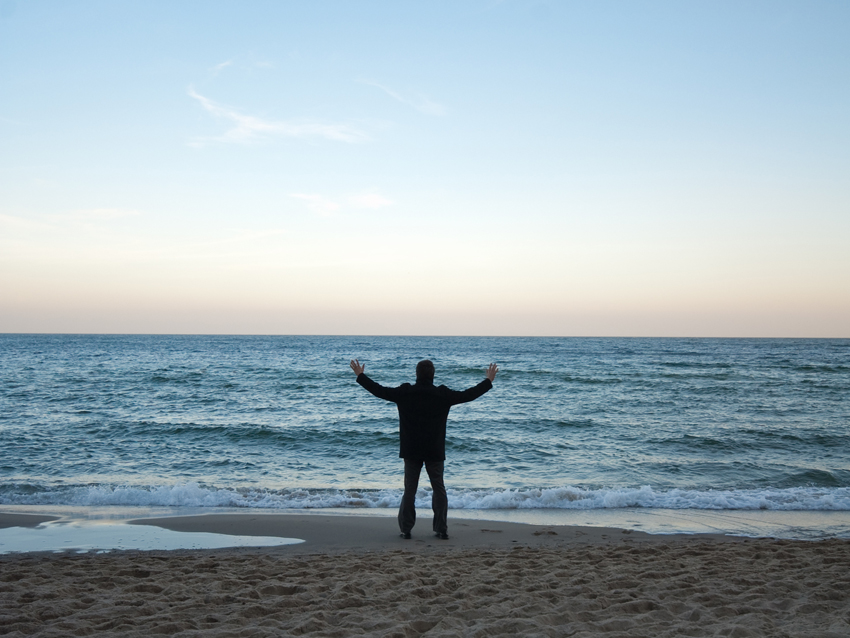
x,y
559,168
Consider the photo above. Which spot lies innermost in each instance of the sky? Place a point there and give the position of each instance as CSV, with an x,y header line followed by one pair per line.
x,y
425,168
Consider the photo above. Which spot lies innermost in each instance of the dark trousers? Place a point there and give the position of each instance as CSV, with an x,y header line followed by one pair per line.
x,y
439,501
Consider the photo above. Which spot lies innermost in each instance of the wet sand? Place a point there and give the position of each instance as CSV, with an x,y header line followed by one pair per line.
x,y
354,576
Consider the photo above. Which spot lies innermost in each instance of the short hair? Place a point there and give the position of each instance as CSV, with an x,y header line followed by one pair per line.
x,y
425,370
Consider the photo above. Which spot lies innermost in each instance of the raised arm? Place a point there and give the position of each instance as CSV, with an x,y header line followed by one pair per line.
x,y
474,392
387,394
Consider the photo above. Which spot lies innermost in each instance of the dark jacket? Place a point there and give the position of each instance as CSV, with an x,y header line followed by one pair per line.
x,y
422,413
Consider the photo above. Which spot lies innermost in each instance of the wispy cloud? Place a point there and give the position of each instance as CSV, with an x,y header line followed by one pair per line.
x,y
96,214
417,101
369,200
218,68
249,128
88,218
239,63
326,207
317,203
234,237
22,223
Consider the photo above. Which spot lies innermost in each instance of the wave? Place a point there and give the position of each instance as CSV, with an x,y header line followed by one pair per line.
x,y
567,497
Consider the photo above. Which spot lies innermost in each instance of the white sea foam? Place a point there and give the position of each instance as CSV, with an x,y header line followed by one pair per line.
x,y
799,498
568,497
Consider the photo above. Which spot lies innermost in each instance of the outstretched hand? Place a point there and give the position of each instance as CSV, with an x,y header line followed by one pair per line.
x,y
491,371
358,369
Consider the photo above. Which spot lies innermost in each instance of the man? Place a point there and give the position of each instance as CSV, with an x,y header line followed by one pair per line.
x,y
422,413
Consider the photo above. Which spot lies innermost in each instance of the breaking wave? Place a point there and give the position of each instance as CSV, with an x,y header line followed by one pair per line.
x,y
567,497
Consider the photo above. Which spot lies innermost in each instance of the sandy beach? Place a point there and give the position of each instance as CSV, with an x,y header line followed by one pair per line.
x,y
354,576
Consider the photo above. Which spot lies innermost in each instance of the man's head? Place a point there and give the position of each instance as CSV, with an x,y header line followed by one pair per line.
x,y
425,371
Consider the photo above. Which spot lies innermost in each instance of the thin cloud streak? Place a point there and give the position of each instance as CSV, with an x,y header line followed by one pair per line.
x,y
250,65
326,207
369,200
96,214
22,223
420,102
317,203
62,220
218,68
248,128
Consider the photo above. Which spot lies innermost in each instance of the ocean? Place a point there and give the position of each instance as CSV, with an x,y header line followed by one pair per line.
x,y
753,429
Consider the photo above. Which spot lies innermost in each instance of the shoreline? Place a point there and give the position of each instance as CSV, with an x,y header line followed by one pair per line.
x,y
790,524
326,534
333,534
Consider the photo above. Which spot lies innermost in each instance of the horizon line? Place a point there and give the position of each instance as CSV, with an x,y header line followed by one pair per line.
x,y
415,336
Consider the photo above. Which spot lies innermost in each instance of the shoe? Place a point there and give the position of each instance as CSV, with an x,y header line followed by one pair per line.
x,y
405,535
442,536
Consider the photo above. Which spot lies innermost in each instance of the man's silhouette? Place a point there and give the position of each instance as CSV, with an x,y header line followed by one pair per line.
x,y
423,409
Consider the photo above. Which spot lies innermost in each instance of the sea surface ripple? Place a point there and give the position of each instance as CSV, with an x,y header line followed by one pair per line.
x,y
278,421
